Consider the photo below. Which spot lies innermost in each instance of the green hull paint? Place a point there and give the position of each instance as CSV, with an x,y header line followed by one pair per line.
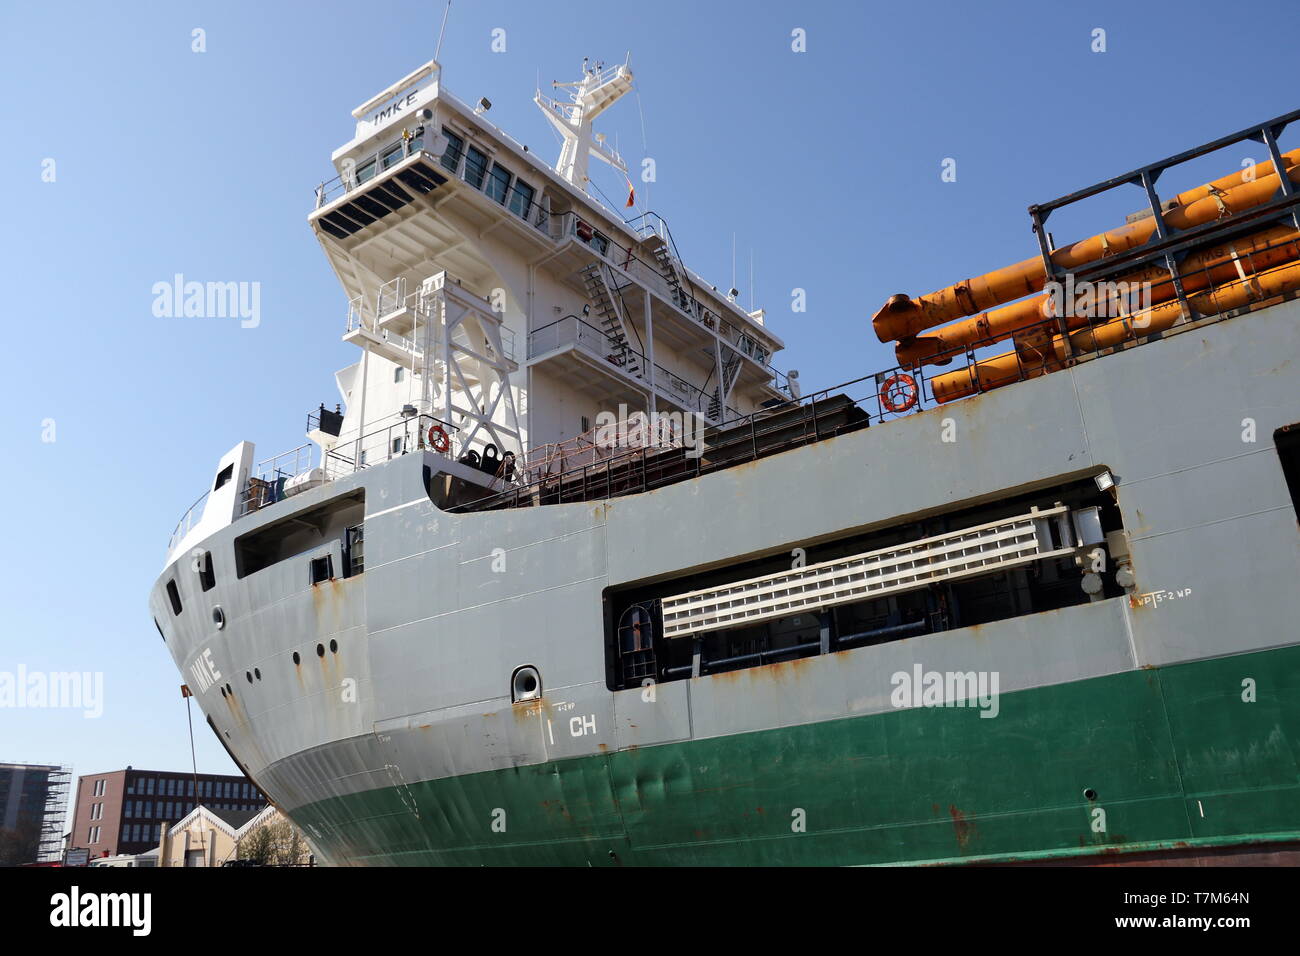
x,y
1175,755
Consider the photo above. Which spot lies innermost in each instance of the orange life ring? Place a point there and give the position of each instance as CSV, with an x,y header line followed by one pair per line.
x,y
898,393
438,439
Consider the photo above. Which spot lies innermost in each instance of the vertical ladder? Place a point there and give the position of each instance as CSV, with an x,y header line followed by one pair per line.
x,y
611,319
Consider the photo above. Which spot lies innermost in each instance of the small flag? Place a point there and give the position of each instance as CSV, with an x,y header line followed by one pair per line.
x,y
185,691
631,195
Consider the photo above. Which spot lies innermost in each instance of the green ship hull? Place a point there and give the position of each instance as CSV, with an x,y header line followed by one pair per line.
x,y
1201,754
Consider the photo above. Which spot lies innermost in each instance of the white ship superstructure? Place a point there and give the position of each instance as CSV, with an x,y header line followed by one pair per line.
x,y
493,297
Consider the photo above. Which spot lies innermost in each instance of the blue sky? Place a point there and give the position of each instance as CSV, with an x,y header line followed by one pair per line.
x,y
826,164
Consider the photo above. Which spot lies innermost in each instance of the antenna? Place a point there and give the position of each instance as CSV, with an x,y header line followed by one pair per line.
x,y
438,49
598,90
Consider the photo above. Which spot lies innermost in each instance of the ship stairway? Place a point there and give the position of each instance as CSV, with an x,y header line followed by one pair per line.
x,y
730,369
671,271
604,297
989,548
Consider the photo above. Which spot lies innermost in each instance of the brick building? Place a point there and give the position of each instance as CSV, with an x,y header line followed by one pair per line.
x,y
122,811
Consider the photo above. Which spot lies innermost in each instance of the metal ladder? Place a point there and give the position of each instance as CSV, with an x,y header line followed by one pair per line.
x,y
671,271
730,369
612,324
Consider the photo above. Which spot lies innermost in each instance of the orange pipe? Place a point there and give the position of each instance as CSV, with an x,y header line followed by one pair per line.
x,y
1029,362
902,317
1206,268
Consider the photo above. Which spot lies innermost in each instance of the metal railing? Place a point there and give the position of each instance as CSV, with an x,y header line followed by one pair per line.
x,y
402,436
625,260
768,431
572,330
193,515
267,479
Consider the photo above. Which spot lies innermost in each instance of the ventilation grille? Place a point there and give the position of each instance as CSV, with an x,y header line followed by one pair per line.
x,y
983,549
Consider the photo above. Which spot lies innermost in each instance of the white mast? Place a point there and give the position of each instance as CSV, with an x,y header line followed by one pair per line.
x,y
597,91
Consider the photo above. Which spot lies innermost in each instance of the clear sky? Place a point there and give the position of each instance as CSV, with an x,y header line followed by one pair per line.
x,y
826,164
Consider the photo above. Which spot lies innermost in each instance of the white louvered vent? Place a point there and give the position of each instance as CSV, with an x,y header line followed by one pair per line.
x,y
983,549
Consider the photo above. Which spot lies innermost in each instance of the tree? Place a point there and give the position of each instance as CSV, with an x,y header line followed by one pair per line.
x,y
275,843
256,846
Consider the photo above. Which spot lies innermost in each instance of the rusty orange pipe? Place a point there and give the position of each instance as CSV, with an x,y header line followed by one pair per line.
x,y
1209,267
903,317
1028,362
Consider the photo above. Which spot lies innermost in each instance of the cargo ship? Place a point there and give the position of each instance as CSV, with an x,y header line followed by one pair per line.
x,y
571,574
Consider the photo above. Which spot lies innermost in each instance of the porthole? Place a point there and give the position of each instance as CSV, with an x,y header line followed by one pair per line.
x,y
1090,794
334,647
223,692
320,650
249,675
296,659
257,673
218,617
526,684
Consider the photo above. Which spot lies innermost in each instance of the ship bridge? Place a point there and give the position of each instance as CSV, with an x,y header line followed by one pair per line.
x,y
569,302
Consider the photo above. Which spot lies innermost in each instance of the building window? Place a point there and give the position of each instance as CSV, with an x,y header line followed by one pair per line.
x,y
148,786
397,446
475,167
174,596
499,185
521,199
455,149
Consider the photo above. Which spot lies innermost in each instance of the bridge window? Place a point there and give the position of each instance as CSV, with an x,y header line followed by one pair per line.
x,y
392,155
499,184
475,167
366,171
521,199
455,149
